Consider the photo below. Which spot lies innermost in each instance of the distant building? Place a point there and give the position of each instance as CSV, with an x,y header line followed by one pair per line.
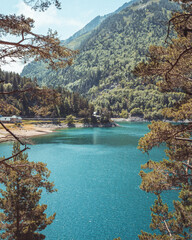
x,y
13,119
5,119
96,115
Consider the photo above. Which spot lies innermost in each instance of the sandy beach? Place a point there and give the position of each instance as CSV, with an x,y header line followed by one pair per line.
x,y
25,131
30,130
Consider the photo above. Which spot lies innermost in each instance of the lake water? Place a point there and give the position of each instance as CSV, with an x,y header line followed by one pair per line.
x,y
96,173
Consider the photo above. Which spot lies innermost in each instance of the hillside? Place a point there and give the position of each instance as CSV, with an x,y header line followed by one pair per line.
x,y
103,69
80,36
28,100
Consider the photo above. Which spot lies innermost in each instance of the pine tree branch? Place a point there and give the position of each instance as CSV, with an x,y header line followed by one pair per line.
x,y
18,44
171,238
6,159
176,62
11,133
187,15
8,165
187,165
183,139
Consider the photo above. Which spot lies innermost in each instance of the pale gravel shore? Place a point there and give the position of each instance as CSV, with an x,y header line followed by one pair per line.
x,y
130,119
25,132
33,130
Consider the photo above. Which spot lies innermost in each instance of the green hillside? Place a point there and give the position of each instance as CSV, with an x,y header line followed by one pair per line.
x,y
103,69
75,41
28,100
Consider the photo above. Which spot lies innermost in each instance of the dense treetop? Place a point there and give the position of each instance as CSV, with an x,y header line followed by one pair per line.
x,y
22,217
23,97
172,65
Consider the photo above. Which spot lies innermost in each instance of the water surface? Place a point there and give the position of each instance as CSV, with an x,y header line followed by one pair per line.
x,y
96,173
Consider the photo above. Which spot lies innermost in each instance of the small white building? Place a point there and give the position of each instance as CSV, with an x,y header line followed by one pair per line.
x,y
13,119
5,119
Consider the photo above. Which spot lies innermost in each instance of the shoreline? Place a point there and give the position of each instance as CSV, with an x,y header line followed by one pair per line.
x,y
34,130
26,131
130,119
142,120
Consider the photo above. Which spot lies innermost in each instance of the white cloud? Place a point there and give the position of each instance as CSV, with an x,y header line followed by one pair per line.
x,y
13,66
48,19
41,18
43,21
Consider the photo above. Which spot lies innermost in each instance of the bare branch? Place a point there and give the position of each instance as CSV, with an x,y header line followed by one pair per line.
x,y
15,155
187,15
42,5
184,139
47,48
8,165
187,165
171,238
177,60
11,133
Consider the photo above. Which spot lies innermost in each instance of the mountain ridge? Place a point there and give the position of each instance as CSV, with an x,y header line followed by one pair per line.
x,y
103,69
83,33
95,23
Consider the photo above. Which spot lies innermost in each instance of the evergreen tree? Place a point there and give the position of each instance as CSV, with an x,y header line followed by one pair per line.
x,y
43,4
46,48
172,66
23,217
102,69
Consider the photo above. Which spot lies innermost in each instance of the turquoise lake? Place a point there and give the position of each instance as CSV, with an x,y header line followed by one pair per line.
x,y
96,173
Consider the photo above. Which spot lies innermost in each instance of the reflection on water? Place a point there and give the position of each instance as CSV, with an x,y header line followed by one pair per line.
x,y
98,136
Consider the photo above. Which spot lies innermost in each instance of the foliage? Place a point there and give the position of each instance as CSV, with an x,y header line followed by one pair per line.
x,y
105,116
36,102
172,65
148,100
102,70
23,217
30,45
136,112
77,40
42,5
70,120
124,114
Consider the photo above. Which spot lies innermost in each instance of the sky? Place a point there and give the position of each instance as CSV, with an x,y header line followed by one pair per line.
x,y
74,15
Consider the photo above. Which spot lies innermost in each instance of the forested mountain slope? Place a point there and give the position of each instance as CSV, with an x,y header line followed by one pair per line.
x,y
28,100
80,36
103,69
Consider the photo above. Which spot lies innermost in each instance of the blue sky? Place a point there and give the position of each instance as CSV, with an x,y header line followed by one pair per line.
x,y
74,15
